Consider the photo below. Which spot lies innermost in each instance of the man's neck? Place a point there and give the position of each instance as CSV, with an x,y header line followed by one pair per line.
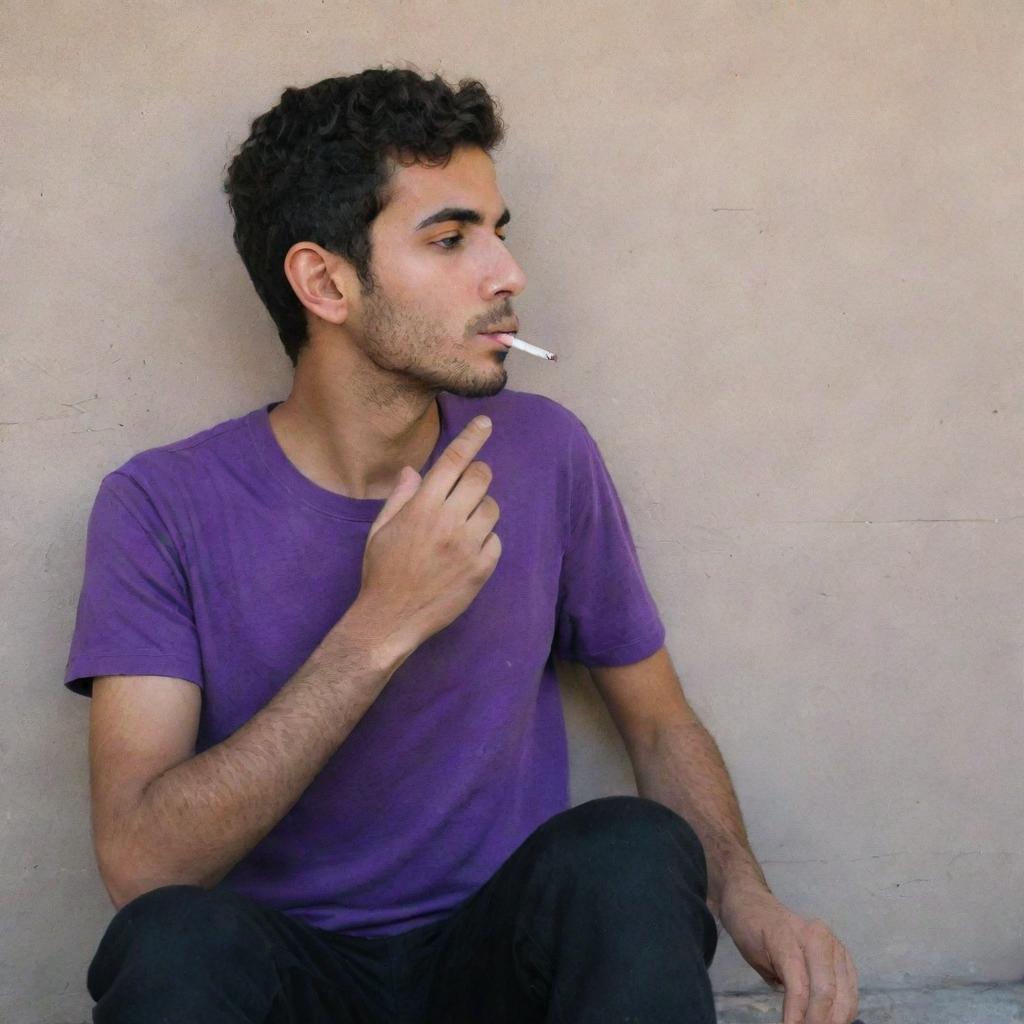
x,y
351,435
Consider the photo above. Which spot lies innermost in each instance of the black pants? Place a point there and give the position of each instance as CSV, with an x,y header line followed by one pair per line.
x,y
599,916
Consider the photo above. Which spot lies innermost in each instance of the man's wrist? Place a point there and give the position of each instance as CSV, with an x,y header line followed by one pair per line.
x,y
385,644
741,890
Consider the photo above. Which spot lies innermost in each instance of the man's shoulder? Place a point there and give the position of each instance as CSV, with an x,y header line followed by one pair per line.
x,y
173,467
194,446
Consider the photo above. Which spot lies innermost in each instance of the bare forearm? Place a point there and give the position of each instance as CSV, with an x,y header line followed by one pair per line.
x,y
682,768
194,822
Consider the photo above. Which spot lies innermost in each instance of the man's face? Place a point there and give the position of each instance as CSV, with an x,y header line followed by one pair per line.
x,y
438,285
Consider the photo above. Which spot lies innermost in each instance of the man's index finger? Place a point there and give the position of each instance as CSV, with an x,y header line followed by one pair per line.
x,y
452,462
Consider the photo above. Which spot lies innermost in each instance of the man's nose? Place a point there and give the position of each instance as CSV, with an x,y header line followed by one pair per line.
x,y
507,277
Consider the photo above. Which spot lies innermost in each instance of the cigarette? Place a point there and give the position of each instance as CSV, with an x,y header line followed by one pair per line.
x,y
525,346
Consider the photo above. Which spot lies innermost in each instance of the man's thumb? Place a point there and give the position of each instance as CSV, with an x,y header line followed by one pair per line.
x,y
408,483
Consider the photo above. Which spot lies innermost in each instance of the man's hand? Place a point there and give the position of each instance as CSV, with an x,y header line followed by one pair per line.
x,y
802,956
431,549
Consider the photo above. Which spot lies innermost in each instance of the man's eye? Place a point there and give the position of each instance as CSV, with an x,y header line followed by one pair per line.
x,y
456,241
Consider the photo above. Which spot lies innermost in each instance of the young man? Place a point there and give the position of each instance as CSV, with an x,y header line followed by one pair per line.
x,y
328,759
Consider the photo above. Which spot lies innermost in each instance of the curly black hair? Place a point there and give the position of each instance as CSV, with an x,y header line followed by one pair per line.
x,y
317,167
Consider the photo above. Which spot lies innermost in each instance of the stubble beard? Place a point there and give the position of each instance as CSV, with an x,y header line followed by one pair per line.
x,y
408,345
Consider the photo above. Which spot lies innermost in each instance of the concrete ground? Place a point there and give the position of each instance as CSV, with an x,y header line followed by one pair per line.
x,y
968,1004
954,1005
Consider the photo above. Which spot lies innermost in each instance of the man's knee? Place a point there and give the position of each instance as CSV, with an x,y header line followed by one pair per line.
x,y
172,929
620,832
186,913
629,866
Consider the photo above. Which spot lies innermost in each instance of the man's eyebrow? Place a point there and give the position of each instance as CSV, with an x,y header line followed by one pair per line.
x,y
463,215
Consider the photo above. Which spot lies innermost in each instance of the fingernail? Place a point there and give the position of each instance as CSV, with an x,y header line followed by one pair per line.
x,y
483,422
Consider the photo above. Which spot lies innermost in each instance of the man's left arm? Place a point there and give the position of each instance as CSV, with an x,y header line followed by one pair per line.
x,y
677,762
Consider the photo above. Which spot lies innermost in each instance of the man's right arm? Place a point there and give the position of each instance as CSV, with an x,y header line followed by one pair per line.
x,y
163,815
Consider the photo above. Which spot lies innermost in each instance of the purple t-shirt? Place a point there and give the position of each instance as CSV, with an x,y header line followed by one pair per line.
x,y
214,559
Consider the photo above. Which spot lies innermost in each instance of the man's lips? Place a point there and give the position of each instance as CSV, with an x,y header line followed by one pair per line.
x,y
502,338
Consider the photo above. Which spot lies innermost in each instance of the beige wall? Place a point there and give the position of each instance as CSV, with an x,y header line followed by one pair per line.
x,y
778,248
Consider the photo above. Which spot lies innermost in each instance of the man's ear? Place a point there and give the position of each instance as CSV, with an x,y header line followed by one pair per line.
x,y
321,279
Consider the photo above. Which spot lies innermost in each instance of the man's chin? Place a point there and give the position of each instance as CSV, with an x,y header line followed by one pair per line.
x,y
479,388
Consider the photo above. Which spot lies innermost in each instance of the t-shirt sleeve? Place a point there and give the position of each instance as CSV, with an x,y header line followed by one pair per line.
x,y
134,611
606,615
